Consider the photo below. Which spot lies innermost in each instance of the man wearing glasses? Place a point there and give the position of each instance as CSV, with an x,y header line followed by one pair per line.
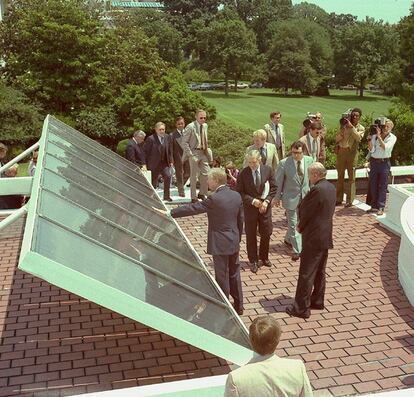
x,y
276,134
292,183
196,150
317,117
312,142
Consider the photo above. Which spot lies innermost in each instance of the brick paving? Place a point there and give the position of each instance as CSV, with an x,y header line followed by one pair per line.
x,y
54,343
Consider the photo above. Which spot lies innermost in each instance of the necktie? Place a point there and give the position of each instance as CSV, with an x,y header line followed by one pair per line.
x,y
162,140
257,179
314,150
262,154
203,138
300,172
277,137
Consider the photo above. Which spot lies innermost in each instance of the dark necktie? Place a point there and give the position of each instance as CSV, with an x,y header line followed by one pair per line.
x,y
257,179
262,154
300,172
314,149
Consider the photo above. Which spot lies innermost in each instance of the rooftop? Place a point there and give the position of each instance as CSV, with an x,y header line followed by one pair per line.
x,y
56,343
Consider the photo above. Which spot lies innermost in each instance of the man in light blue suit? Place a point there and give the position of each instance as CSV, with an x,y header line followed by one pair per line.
x,y
292,183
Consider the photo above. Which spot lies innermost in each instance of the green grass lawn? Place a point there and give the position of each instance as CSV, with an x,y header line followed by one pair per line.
x,y
250,108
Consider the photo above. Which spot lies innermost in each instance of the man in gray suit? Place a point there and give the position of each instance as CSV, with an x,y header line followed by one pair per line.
x,y
268,375
267,150
196,150
276,134
182,168
225,225
313,142
292,183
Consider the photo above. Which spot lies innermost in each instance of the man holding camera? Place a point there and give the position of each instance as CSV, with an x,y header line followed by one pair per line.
x,y
312,142
347,141
381,141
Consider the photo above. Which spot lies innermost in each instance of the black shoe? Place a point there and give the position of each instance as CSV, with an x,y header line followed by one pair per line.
x,y
338,203
287,243
253,267
293,313
265,262
201,197
181,194
168,199
372,211
239,310
194,200
348,205
295,257
317,307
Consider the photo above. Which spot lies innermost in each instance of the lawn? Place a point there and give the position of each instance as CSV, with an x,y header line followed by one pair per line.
x,y
250,108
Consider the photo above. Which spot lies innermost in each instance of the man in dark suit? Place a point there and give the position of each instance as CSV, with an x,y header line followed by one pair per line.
x,y
135,149
315,224
182,168
158,153
256,184
225,224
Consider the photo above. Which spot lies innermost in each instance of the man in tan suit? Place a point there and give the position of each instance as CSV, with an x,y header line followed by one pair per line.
x,y
267,150
312,143
276,134
268,375
196,150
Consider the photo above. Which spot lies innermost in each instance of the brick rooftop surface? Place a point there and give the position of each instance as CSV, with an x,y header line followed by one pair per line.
x,y
54,343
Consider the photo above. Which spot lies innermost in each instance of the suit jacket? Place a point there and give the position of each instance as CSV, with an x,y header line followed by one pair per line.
x,y
135,153
271,139
190,140
289,188
177,145
315,216
272,158
320,149
153,151
269,376
225,222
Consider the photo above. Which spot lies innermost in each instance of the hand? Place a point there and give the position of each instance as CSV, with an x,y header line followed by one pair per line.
x,y
144,168
263,207
366,164
275,203
256,203
348,123
195,158
161,212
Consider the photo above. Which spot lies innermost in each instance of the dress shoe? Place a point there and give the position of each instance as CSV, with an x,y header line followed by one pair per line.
x,y
317,307
194,200
338,203
265,262
287,243
168,199
372,211
239,312
181,194
348,205
201,197
380,212
295,257
293,313
253,267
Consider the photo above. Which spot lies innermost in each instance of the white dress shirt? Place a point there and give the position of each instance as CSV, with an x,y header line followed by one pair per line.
x,y
377,152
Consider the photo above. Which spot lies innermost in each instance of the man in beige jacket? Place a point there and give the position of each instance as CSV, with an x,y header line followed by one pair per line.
x,y
268,375
267,150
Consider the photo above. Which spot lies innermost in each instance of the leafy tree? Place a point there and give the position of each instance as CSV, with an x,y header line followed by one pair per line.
x,y
160,99
20,120
52,52
311,12
361,49
226,46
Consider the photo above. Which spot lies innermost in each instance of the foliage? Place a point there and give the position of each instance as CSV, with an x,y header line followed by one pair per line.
x,y
229,142
194,75
52,52
163,99
20,120
101,124
406,32
311,12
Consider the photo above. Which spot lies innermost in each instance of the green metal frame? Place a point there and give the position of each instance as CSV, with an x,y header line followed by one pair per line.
x,y
116,300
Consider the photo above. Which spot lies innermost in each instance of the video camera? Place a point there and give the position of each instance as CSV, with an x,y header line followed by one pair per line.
x,y
378,122
343,121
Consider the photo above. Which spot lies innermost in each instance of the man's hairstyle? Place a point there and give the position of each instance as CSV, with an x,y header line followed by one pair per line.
x,y
297,145
390,122
273,114
253,154
264,334
159,124
316,125
3,147
179,118
139,133
218,175
317,168
260,134
357,110
198,111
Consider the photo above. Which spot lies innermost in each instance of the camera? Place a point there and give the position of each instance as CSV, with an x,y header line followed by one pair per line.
x,y
379,122
345,116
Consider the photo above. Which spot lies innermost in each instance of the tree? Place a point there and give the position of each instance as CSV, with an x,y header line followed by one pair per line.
x,y
161,99
361,49
52,52
20,120
226,46
311,12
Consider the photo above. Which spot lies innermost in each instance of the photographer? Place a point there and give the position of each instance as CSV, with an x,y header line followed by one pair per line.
x,y
381,141
347,141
